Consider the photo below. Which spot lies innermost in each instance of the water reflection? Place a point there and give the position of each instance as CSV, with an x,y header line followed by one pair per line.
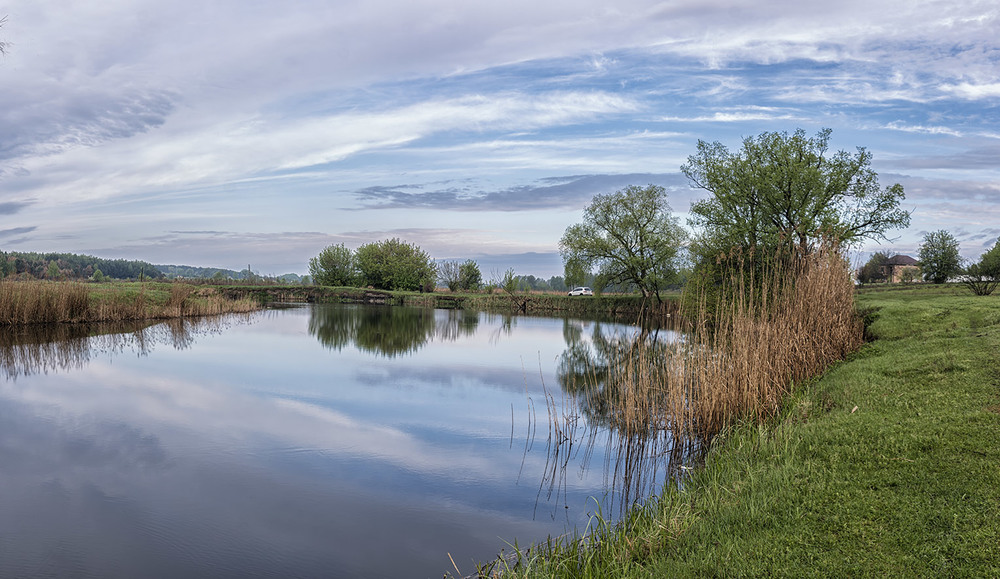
x,y
307,443
43,348
596,372
388,331
615,381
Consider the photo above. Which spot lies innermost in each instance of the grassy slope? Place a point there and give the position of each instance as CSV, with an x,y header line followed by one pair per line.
x,y
908,484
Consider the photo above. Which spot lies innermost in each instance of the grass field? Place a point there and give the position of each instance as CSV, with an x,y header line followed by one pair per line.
x,y
886,466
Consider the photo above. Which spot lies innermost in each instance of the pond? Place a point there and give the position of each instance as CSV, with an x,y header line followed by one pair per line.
x,y
309,441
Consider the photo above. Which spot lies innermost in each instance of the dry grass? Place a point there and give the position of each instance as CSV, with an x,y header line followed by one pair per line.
x,y
764,338
40,302
800,322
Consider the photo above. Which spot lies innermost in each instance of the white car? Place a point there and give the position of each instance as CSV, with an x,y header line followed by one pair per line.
x,y
581,291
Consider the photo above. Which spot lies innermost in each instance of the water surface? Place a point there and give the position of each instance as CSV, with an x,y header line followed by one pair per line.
x,y
316,441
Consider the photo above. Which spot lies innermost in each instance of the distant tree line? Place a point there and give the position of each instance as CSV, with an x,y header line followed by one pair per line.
x,y
216,274
70,266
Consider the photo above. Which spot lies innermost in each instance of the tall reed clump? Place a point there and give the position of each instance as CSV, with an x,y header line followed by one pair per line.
x,y
800,320
745,353
40,302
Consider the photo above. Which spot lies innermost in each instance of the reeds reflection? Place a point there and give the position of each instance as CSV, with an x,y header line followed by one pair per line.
x,y
613,386
43,348
388,331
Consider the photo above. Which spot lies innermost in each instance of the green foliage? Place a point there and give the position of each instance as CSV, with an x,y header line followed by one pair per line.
x,y
395,265
780,191
982,278
74,266
939,256
874,271
990,261
630,236
98,276
460,276
334,266
469,276
576,272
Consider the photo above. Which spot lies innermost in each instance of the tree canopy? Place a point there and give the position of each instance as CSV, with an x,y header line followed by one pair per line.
x,y
781,191
72,266
983,277
630,236
463,276
939,257
395,265
334,266
874,269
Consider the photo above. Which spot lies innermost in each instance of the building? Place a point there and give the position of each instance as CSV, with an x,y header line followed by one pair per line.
x,y
895,269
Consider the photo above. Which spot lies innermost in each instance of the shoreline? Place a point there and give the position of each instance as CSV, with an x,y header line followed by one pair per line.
x,y
885,465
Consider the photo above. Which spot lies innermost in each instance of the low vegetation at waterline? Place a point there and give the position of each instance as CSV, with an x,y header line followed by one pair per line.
x,y
883,466
36,302
739,360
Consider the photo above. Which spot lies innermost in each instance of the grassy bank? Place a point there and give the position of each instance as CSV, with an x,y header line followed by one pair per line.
x,y
887,465
537,303
40,302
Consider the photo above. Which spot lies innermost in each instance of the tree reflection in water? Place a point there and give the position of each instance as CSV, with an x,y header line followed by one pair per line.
x,y
388,331
614,389
42,348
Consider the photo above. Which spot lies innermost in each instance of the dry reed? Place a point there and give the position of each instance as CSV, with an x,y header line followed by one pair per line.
x,y
40,302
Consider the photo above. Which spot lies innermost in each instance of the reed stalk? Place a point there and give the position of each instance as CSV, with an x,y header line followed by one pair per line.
x,y
43,302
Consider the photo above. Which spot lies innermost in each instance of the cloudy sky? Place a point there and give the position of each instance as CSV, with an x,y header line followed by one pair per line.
x,y
232,132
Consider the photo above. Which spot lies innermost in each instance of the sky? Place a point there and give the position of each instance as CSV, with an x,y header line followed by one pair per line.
x,y
229,133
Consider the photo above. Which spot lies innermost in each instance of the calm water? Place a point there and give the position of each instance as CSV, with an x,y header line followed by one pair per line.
x,y
322,441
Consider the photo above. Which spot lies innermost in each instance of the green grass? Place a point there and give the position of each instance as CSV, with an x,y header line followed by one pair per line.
x,y
887,465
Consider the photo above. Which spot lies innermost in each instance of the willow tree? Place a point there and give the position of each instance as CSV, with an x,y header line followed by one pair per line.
x,y
784,193
630,237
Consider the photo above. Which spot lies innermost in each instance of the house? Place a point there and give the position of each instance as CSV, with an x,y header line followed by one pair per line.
x,y
895,269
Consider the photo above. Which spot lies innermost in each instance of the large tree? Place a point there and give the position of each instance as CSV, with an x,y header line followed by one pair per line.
x,y
784,192
335,266
939,256
630,237
395,265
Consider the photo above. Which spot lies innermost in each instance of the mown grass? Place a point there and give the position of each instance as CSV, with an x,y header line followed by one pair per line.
x,y
887,465
40,302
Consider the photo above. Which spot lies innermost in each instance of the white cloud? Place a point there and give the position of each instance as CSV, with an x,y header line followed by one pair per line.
x,y
972,91
231,149
901,126
223,104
